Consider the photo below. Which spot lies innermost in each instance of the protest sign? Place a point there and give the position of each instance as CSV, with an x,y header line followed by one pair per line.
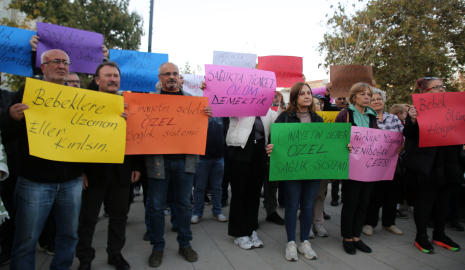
x,y
74,125
245,60
343,77
328,117
192,84
84,48
374,154
304,151
165,124
275,108
139,70
288,69
441,118
15,51
234,91
320,91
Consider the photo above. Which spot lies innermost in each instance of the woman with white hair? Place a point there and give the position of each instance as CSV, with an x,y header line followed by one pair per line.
x,y
385,193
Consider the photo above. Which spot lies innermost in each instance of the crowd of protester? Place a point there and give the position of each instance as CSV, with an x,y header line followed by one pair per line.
x,y
56,205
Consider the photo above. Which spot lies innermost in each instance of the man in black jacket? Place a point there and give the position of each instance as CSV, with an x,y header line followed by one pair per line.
x,y
43,184
112,180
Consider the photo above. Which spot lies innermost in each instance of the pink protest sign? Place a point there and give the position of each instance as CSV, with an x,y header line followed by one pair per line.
x,y
236,91
320,91
374,154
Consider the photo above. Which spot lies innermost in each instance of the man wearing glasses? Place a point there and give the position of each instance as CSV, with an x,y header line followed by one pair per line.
x,y
43,184
180,170
73,80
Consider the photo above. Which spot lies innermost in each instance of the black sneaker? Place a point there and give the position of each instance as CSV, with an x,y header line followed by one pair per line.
x,y
189,254
174,229
401,215
326,216
334,202
422,243
454,224
349,247
362,247
275,218
445,242
4,258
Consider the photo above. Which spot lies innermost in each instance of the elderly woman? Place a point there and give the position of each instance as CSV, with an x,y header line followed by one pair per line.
x,y
385,193
434,173
356,193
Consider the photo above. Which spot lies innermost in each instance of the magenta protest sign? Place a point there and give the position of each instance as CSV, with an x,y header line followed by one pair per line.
x,y
84,48
320,91
374,154
236,91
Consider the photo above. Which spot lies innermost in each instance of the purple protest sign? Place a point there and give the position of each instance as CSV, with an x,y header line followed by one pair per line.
x,y
84,48
374,154
236,91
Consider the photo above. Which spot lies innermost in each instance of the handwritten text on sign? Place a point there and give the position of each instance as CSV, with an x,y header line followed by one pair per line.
x,y
75,125
165,124
192,84
374,154
84,48
288,69
245,60
343,77
139,70
441,117
15,51
234,91
328,117
309,151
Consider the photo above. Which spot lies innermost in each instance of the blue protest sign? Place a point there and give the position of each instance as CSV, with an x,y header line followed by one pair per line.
x,y
139,70
15,51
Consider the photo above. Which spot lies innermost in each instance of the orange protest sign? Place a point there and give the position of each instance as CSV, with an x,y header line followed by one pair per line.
x,y
165,124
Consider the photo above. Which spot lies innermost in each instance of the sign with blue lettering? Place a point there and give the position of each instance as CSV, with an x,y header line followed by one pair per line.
x,y
15,51
139,70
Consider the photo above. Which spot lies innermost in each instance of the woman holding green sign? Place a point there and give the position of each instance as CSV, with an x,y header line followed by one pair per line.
x,y
356,193
301,109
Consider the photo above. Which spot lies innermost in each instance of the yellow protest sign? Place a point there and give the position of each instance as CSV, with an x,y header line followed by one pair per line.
x,y
328,117
74,125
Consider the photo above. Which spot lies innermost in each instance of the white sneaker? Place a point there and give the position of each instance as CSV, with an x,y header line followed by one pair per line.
x,y
257,243
244,242
320,230
291,252
195,219
167,211
399,207
306,249
367,230
410,209
312,235
220,218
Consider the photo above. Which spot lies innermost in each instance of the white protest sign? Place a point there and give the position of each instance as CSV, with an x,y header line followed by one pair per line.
x,y
245,60
192,84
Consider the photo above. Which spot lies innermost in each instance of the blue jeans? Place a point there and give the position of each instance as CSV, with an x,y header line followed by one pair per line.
x,y
301,192
172,205
158,190
33,202
208,169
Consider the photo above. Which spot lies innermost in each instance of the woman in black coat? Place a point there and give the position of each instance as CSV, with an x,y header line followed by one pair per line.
x,y
434,172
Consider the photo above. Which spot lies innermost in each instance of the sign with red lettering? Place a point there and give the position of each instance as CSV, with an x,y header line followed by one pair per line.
x,y
165,124
343,77
288,69
441,118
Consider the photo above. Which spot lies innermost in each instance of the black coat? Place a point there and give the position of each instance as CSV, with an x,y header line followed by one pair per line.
x,y
285,117
430,167
101,174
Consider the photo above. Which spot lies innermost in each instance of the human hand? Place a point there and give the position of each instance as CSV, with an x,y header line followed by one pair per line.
x,y
17,111
105,52
350,148
135,176
85,183
208,111
34,40
203,86
269,149
413,114
328,88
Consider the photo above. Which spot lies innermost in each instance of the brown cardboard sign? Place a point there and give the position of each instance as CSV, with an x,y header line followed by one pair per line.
x,y
344,76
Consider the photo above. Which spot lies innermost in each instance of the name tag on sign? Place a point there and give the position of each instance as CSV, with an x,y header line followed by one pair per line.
x,y
75,125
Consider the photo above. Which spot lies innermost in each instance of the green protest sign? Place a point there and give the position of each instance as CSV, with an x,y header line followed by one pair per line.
x,y
309,151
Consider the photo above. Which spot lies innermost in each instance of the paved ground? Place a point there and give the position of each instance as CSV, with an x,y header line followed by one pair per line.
x,y
217,251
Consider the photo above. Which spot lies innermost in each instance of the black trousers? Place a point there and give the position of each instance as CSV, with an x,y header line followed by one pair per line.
x,y
385,194
7,230
335,189
433,202
454,204
226,175
117,205
356,196
246,184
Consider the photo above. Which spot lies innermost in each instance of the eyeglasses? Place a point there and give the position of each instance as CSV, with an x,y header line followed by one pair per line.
x,y
58,61
71,81
168,74
430,78
437,87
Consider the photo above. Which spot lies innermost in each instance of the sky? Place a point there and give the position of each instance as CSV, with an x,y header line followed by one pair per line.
x,y
190,30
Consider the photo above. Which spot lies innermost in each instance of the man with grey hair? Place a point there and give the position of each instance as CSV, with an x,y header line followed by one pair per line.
x,y
73,80
179,169
43,184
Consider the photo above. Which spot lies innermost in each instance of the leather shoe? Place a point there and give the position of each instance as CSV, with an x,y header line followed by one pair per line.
x,y
189,254
275,218
84,266
118,262
155,258
334,202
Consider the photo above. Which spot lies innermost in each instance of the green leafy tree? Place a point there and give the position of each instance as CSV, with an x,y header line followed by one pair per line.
x,y
411,39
